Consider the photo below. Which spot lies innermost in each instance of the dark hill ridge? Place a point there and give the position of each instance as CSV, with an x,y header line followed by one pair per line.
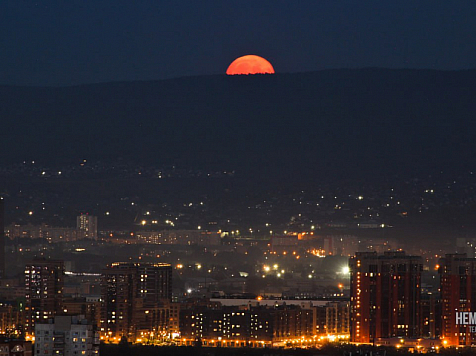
x,y
370,120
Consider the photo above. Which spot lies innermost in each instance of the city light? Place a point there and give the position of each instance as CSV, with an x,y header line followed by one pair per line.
x,y
166,263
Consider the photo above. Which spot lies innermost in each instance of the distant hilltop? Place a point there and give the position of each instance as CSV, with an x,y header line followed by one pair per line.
x,y
369,121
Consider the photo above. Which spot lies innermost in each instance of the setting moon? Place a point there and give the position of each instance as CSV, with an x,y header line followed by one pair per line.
x,y
250,64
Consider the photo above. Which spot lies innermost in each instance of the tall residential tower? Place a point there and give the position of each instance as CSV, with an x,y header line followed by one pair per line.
x,y
458,294
385,296
88,226
44,280
136,300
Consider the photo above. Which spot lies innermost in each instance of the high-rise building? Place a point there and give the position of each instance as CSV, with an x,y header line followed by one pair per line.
x,y
88,226
44,280
136,300
66,335
2,238
385,296
458,294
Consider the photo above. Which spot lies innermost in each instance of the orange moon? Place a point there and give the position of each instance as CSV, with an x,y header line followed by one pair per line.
x,y
250,64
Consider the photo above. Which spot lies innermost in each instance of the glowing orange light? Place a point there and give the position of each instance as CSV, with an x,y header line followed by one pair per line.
x,y
250,64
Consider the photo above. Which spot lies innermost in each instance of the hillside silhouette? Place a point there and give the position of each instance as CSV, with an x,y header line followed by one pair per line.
x,y
332,122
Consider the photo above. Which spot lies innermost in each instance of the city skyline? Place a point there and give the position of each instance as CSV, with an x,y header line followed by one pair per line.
x,y
237,177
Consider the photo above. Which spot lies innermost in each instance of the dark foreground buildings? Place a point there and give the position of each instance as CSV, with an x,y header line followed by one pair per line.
x,y
250,323
387,307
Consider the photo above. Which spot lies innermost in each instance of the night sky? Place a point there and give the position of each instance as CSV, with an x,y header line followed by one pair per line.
x,y
88,41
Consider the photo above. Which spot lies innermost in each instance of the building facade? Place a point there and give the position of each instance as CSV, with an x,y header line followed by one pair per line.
x,y
385,296
88,225
15,347
66,336
458,294
253,325
44,281
337,318
136,301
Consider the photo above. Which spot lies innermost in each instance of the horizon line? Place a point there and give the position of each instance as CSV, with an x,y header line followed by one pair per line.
x,y
226,76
